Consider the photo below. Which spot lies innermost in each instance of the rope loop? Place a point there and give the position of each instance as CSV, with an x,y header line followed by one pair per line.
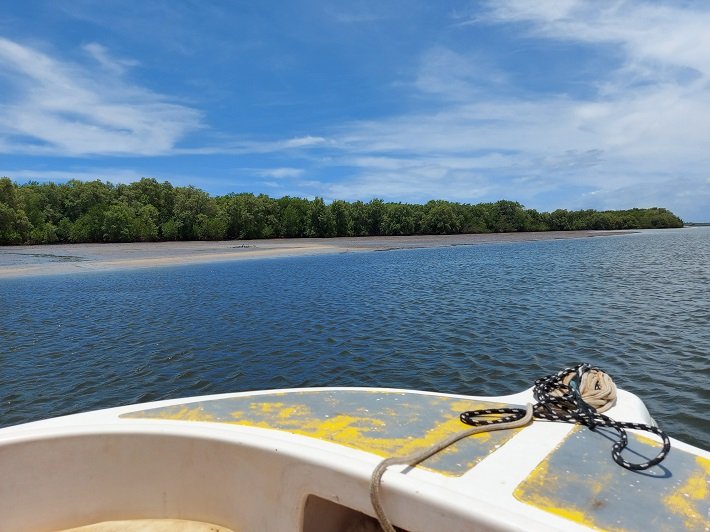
x,y
474,417
519,418
579,395
574,395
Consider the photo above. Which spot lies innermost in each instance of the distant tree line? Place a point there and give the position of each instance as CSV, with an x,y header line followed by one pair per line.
x,y
96,211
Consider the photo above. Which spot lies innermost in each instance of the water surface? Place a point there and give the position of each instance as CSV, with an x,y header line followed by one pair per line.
x,y
483,320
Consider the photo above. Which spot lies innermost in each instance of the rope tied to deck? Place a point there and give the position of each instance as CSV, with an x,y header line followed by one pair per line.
x,y
519,418
574,395
579,395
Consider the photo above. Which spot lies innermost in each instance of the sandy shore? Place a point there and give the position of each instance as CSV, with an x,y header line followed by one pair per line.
x,y
17,261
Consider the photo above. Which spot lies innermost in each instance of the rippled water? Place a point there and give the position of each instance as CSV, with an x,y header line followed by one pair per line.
x,y
482,320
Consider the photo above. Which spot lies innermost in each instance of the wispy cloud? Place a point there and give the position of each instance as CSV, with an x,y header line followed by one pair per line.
x,y
247,146
640,128
102,56
563,103
121,175
670,33
54,107
280,173
112,175
456,76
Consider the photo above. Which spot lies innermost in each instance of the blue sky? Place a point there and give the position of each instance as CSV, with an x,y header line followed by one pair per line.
x,y
552,103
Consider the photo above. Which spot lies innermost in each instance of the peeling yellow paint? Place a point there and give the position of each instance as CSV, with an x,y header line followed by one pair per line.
x,y
294,410
369,433
695,488
593,493
396,427
267,407
399,424
532,489
187,413
531,492
647,441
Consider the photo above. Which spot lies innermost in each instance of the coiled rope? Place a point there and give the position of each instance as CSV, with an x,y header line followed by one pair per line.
x,y
574,395
580,395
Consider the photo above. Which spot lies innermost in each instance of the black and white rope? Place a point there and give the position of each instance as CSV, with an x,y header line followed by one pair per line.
x,y
559,399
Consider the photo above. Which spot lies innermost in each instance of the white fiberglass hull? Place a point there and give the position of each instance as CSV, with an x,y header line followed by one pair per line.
x,y
302,460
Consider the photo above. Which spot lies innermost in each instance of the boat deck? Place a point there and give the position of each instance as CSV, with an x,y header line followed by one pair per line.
x,y
577,480
378,422
545,476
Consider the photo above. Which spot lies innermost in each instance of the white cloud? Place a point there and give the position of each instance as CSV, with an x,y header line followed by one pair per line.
x,y
300,142
456,76
112,175
117,175
50,107
417,184
638,139
670,34
280,173
242,147
636,135
102,56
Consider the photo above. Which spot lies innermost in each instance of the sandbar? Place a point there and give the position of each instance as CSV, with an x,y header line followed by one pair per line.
x,y
57,259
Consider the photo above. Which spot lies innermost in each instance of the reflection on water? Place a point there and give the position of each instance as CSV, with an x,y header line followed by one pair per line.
x,y
483,320
21,258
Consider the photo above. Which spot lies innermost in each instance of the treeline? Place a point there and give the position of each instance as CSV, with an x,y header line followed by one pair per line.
x,y
95,211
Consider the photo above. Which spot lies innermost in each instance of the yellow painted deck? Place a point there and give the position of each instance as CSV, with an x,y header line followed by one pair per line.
x,y
577,481
580,482
382,423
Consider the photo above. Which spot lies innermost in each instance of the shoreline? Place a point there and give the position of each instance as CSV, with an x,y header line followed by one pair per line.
x,y
57,259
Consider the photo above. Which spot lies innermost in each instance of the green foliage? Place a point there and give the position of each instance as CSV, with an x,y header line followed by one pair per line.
x,y
375,212
294,219
399,220
249,216
118,224
147,210
322,219
342,217
359,216
190,204
146,222
15,226
441,218
89,227
169,230
653,218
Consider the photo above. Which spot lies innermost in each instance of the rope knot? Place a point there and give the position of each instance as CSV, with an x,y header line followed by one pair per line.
x,y
595,387
573,395
580,395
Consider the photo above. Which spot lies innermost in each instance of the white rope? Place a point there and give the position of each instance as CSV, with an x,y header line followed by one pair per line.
x,y
596,388
420,456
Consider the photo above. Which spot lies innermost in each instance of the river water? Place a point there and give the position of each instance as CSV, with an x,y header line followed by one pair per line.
x,y
483,320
